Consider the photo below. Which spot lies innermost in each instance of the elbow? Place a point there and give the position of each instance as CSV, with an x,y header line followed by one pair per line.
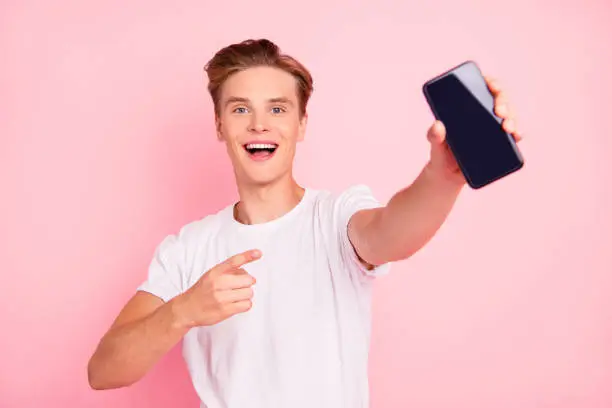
x,y
99,381
95,381
95,378
96,385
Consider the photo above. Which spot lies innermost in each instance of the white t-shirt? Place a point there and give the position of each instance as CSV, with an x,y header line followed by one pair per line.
x,y
305,341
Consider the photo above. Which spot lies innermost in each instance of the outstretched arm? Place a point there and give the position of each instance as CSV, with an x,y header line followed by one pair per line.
x,y
414,214
407,222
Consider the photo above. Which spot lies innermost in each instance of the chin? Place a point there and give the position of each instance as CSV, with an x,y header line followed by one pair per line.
x,y
259,179
262,181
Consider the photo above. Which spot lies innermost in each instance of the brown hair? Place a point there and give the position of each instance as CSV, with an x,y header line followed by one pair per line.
x,y
252,53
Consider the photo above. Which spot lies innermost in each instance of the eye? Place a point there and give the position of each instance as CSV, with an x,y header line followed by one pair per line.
x,y
240,109
278,109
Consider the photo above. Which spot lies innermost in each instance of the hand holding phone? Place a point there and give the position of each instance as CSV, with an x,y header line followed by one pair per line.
x,y
461,100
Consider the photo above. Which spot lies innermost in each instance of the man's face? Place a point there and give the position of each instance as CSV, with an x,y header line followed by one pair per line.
x,y
259,121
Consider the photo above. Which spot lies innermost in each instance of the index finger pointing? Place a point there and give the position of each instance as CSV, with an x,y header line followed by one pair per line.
x,y
240,259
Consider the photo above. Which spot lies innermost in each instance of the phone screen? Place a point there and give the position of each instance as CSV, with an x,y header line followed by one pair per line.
x,y
461,100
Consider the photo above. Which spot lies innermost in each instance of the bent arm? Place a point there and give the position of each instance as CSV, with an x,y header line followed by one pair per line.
x,y
145,330
406,223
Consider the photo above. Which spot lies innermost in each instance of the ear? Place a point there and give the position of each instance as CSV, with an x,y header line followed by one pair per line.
x,y
218,128
302,130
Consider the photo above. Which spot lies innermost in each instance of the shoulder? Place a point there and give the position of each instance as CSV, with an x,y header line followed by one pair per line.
x,y
348,200
351,192
335,209
339,209
197,232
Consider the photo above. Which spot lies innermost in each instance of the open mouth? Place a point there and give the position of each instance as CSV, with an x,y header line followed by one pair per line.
x,y
260,151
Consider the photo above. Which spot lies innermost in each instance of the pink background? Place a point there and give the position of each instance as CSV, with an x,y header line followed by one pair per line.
x,y
107,145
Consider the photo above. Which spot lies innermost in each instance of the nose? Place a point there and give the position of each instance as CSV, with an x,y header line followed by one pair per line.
x,y
258,123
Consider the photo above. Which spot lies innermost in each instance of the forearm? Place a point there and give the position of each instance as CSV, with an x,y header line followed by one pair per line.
x,y
413,216
127,352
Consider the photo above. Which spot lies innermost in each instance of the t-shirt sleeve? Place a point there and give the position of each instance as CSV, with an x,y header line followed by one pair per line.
x,y
164,278
349,202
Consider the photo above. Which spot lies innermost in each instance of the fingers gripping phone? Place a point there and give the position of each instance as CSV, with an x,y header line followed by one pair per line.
x,y
461,100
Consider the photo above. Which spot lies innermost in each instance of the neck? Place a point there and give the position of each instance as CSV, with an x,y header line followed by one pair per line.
x,y
261,203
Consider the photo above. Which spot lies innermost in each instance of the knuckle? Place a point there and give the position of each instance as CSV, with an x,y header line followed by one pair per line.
x,y
221,282
217,297
243,306
215,284
247,280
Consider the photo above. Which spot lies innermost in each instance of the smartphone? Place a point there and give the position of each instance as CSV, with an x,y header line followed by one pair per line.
x,y
461,100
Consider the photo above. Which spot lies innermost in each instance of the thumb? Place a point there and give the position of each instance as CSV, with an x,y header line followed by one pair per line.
x,y
436,133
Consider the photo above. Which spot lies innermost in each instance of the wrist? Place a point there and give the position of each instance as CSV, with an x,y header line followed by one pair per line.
x,y
178,316
443,179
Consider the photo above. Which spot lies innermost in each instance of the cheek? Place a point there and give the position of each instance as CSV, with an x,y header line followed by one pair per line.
x,y
289,129
230,130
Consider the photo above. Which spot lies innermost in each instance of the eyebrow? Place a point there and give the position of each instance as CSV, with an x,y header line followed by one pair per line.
x,y
281,100
235,99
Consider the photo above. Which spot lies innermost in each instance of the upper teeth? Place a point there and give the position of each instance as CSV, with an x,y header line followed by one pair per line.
x,y
260,146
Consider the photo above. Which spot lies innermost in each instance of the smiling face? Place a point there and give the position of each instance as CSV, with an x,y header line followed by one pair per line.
x,y
260,122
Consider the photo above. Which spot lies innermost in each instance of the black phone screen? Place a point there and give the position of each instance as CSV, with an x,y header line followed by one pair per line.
x,y
484,151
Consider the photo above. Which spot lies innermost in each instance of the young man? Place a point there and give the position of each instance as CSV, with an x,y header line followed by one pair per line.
x,y
271,295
